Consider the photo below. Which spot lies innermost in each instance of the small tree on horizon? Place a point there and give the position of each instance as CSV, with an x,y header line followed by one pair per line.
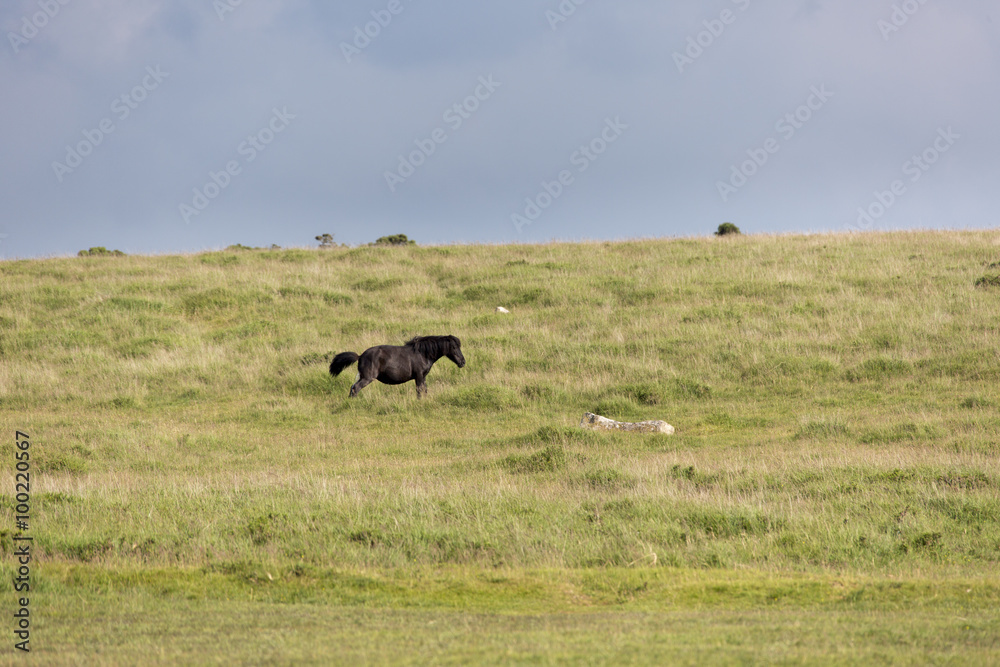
x,y
100,251
726,229
395,239
325,240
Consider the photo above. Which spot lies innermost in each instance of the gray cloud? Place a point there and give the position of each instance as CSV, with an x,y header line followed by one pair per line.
x,y
325,172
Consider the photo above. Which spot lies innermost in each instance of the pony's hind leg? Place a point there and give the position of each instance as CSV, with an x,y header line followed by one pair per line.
x,y
359,385
367,373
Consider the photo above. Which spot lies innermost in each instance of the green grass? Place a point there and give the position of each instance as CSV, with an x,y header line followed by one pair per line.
x,y
202,486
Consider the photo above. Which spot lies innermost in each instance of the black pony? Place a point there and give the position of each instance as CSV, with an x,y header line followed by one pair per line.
x,y
396,364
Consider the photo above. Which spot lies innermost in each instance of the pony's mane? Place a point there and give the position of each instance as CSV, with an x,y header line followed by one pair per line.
x,y
433,346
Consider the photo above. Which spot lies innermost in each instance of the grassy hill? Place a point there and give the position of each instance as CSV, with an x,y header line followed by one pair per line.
x,y
201,485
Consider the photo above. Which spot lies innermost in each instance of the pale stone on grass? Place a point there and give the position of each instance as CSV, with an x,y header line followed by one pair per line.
x,y
598,423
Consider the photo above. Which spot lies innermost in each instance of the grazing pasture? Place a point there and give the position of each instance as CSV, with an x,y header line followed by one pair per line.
x,y
204,491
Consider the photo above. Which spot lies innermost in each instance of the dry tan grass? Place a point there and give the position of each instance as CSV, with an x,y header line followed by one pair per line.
x,y
808,377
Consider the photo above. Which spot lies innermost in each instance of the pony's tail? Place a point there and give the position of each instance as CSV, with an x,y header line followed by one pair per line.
x,y
342,361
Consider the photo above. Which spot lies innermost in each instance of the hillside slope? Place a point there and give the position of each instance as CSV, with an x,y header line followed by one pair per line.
x,y
835,397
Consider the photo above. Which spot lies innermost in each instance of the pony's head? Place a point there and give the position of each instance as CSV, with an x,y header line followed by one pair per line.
x,y
435,347
455,351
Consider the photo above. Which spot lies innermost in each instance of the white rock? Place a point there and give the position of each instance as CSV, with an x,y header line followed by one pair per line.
x,y
598,423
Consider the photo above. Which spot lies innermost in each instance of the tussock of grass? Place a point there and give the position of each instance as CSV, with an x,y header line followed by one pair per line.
x,y
901,433
823,429
976,402
550,459
479,398
620,409
879,368
610,479
558,435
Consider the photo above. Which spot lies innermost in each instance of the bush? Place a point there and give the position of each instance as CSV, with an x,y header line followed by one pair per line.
x,y
727,228
240,246
395,239
100,251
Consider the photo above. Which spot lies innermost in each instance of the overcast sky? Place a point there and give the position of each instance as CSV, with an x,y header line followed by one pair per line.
x,y
154,126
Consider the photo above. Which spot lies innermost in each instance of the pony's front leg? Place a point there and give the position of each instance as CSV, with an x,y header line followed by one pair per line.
x,y
421,387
